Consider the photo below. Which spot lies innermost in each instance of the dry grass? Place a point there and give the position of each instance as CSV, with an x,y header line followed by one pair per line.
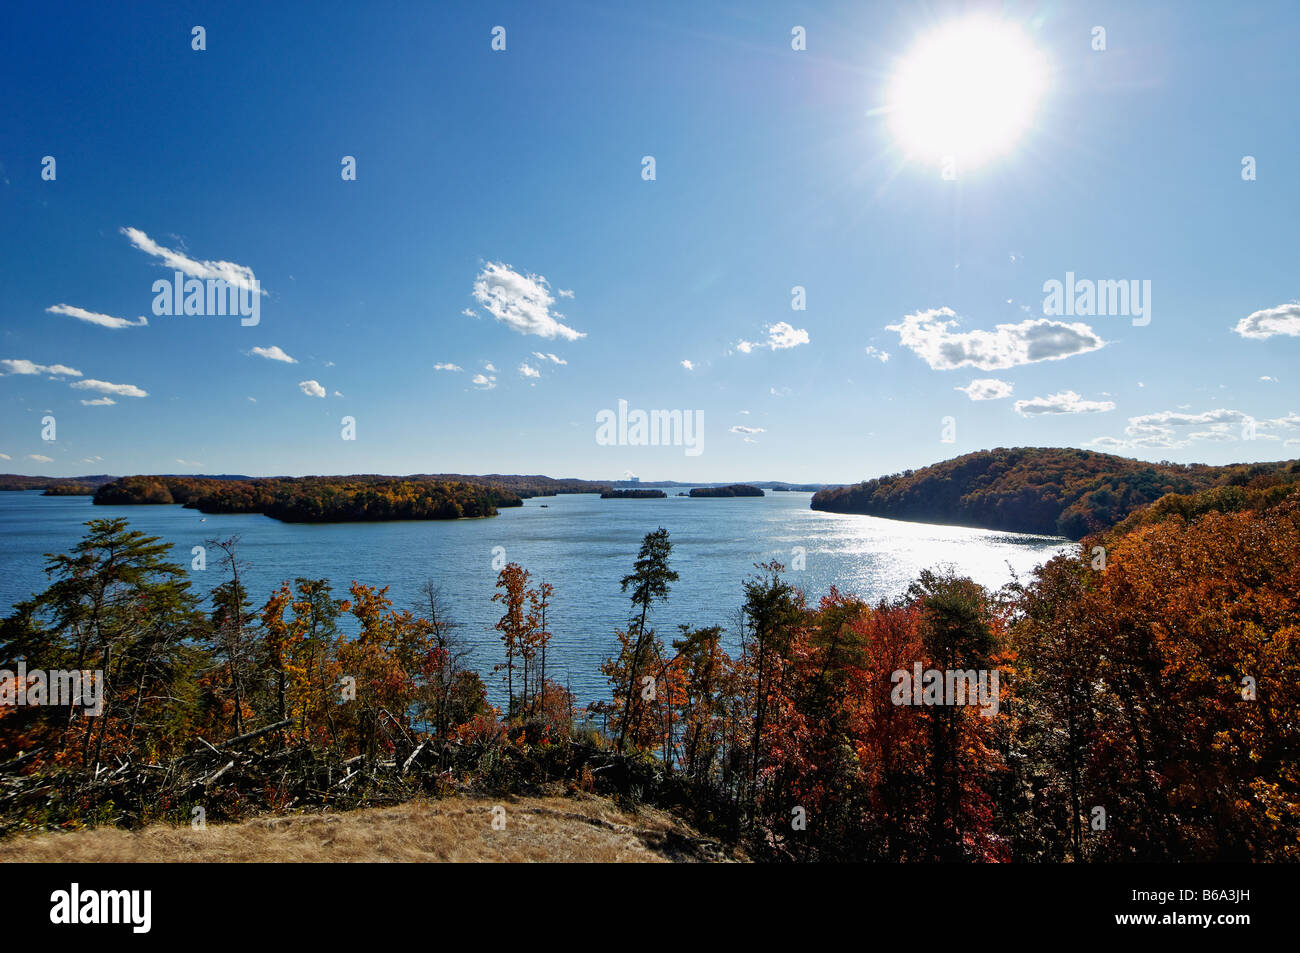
x,y
457,830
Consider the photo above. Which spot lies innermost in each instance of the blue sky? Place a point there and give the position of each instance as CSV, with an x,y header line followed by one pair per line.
x,y
520,171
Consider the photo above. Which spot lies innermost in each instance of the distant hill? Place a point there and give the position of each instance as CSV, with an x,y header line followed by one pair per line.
x,y
17,481
1054,491
633,495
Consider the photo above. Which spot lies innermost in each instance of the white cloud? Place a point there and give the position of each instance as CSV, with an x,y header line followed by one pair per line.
x,y
549,357
1066,402
780,336
484,381
489,367
879,355
91,317
929,335
739,429
19,366
273,353
469,312
448,367
1284,319
39,459
986,388
564,292
688,365
99,402
338,394
5,456
526,371
1270,379
95,459
522,302
1107,443
188,463
1160,431
1165,420
104,387
311,388
239,276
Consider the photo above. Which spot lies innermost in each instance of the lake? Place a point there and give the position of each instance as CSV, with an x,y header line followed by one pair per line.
x,y
581,544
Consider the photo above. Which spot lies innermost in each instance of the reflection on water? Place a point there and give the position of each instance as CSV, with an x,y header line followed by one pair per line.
x,y
581,544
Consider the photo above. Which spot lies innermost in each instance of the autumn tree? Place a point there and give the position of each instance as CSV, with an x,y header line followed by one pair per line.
x,y
116,604
515,625
649,582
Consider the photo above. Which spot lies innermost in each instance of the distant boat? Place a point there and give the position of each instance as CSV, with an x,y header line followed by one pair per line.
x,y
203,519
545,505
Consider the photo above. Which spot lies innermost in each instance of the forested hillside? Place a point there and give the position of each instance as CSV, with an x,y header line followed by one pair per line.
x,y
1054,491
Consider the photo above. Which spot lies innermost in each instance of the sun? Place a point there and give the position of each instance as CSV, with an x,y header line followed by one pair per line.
x,y
967,91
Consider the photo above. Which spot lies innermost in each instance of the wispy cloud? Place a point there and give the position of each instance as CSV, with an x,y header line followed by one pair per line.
x,y
39,458
1172,429
92,317
484,381
104,387
20,366
273,353
99,402
527,371
240,276
448,367
748,430
879,355
1107,443
688,365
549,357
521,302
929,335
1066,402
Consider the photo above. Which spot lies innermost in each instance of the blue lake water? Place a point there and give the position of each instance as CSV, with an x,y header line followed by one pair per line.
x,y
581,544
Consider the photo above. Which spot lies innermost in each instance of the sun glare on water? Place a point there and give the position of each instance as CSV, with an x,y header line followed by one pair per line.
x,y
966,91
